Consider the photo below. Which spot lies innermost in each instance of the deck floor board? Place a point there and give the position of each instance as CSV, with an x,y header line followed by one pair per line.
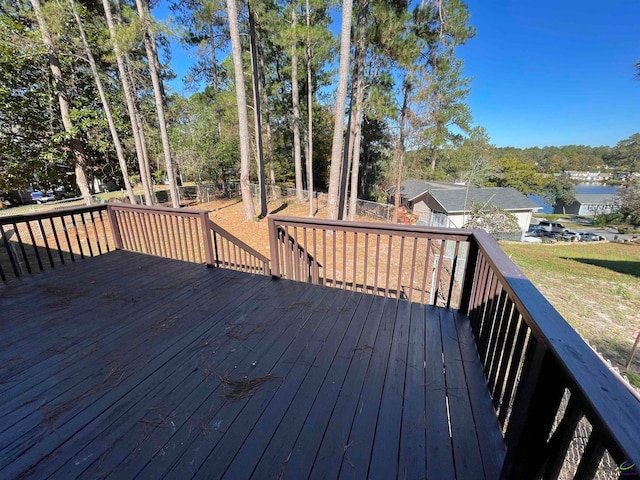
x,y
126,371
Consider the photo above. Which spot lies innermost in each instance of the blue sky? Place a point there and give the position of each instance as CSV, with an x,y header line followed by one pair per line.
x,y
546,72
554,72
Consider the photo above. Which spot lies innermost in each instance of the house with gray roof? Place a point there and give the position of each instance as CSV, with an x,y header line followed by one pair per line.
x,y
588,204
448,205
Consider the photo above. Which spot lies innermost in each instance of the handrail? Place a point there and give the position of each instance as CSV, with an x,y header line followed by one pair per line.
x,y
182,234
308,268
162,231
29,217
35,242
238,255
391,260
375,227
556,358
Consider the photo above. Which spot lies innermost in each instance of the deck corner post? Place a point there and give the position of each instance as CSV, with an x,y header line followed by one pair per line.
x,y
273,248
534,410
115,227
206,238
469,275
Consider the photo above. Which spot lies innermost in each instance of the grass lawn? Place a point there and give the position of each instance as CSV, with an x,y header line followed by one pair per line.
x,y
595,286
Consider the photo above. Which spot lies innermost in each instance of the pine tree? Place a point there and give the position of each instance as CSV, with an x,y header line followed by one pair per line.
x,y
341,98
105,104
158,95
243,121
129,93
81,160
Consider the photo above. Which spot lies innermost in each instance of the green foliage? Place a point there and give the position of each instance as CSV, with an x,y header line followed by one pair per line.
x,y
629,198
438,89
519,174
202,155
626,154
634,378
471,162
559,190
558,159
158,176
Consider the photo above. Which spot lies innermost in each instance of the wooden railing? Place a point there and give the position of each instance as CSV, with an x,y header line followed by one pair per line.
x,y
37,242
230,252
187,235
549,388
551,393
297,263
40,241
419,264
165,232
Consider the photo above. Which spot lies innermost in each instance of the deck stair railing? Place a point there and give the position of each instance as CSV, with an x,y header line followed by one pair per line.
x,y
230,252
187,235
295,260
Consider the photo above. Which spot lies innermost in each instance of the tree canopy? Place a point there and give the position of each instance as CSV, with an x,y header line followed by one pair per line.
x,y
405,98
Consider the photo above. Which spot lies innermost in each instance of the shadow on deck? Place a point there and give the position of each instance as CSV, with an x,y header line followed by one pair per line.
x,y
132,365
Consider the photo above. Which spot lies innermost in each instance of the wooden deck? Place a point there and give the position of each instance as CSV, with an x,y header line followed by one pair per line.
x,y
129,365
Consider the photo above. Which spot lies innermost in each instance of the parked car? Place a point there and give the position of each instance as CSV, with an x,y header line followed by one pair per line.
x,y
552,227
38,196
61,193
570,236
590,236
535,232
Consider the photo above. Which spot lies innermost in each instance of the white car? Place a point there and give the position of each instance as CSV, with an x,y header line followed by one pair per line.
x,y
590,236
570,236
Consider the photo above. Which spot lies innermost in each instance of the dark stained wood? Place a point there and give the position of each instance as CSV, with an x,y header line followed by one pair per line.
x,y
439,454
412,461
534,411
490,441
387,440
123,370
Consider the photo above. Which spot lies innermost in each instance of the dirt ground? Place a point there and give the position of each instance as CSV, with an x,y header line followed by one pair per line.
x,y
229,214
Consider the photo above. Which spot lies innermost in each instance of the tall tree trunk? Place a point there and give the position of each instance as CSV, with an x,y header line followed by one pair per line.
x,y
357,96
145,173
309,115
257,114
137,120
214,71
341,99
105,104
295,100
80,157
265,107
243,121
399,151
129,93
158,95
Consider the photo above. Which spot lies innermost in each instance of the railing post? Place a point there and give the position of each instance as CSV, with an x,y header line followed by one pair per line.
x,y
115,227
206,238
469,275
273,248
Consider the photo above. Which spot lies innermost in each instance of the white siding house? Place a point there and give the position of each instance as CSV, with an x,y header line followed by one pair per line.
x,y
449,205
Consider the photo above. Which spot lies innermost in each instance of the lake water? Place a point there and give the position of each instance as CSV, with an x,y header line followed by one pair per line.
x,y
585,189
